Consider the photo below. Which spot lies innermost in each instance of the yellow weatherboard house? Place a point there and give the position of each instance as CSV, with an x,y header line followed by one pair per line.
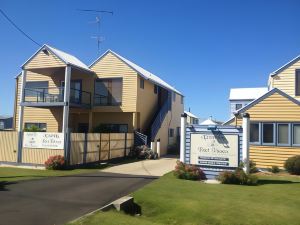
x,y
56,92
275,118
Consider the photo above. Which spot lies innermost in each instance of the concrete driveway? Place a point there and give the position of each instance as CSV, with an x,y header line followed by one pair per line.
x,y
146,167
61,199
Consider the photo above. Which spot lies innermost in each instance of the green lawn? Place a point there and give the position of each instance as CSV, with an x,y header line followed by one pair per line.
x,y
276,200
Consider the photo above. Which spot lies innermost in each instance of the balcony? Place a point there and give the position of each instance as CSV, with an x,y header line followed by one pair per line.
x,y
102,100
45,97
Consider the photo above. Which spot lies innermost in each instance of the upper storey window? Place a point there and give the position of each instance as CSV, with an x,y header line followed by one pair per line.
x,y
108,92
297,83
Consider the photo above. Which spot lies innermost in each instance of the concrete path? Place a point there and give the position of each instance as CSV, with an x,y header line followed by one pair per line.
x,y
58,200
146,167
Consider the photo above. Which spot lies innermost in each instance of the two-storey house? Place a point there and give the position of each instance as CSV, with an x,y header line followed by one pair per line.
x,y
275,118
56,92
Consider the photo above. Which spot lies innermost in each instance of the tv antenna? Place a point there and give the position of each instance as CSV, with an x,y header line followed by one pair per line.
x,y
98,37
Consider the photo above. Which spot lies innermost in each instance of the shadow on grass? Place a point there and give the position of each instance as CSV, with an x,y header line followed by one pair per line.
x,y
4,184
266,181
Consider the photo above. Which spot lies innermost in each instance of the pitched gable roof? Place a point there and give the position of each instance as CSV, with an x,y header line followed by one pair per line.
x,y
274,73
246,93
258,100
141,71
67,58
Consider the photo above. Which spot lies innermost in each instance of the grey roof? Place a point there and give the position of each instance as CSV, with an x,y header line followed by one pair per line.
x,y
141,71
4,117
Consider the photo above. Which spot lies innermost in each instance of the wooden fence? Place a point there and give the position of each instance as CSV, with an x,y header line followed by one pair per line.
x,y
8,146
96,147
83,148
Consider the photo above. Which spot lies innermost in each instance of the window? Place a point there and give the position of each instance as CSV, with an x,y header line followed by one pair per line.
x,y
142,83
296,134
268,133
108,92
238,106
171,132
283,134
178,131
40,126
155,89
75,91
112,128
36,88
182,99
174,96
297,83
2,125
255,133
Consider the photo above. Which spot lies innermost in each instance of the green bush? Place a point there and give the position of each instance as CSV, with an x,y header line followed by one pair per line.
x,y
32,128
292,165
188,172
252,166
237,177
274,169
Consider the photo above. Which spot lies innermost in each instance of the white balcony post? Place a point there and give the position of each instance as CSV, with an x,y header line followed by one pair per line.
x,y
66,100
182,136
21,115
246,139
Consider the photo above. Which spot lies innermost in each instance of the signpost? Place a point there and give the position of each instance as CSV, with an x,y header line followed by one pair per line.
x,y
43,140
214,149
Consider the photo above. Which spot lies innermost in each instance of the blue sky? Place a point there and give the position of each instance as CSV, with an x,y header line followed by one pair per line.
x,y
203,48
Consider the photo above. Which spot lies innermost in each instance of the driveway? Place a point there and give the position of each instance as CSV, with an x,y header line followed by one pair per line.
x,y
146,167
61,199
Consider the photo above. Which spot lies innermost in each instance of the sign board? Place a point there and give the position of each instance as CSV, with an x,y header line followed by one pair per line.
x,y
214,149
43,140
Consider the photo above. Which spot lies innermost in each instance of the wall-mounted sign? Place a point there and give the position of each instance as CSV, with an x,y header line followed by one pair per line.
x,y
214,149
43,140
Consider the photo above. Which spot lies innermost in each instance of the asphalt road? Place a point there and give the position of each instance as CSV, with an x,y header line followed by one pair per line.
x,y
59,200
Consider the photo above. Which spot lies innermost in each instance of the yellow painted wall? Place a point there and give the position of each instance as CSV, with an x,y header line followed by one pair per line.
x,y
275,108
41,60
285,80
147,103
172,120
112,67
53,116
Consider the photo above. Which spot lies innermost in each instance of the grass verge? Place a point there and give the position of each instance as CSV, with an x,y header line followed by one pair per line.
x,y
275,200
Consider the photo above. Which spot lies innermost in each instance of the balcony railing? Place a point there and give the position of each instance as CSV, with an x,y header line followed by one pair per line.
x,y
101,100
56,95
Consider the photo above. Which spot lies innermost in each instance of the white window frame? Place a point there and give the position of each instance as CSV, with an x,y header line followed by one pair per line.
x,y
289,134
274,134
294,145
259,134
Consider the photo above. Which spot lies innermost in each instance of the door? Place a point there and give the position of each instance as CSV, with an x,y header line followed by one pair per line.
x,y
83,128
75,91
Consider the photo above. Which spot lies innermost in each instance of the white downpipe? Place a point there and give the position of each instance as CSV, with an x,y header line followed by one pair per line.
x,y
158,148
246,137
152,146
182,136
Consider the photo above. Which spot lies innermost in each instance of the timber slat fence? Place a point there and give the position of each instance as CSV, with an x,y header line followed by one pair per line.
x,y
83,148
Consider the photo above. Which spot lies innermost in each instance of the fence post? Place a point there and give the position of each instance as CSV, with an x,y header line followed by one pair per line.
x,y
85,148
100,147
108,146
67,151
125,149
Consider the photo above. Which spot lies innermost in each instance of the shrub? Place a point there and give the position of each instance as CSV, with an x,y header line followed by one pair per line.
x,y
56,162
292,165
274,169
33,128
188,172
237,177
252,166
143,152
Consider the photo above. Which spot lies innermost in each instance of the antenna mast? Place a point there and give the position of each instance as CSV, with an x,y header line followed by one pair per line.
x,y
98,37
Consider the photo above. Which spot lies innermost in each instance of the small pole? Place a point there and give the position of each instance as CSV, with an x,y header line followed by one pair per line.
x,y
182,136
246,137
125,147
158,148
